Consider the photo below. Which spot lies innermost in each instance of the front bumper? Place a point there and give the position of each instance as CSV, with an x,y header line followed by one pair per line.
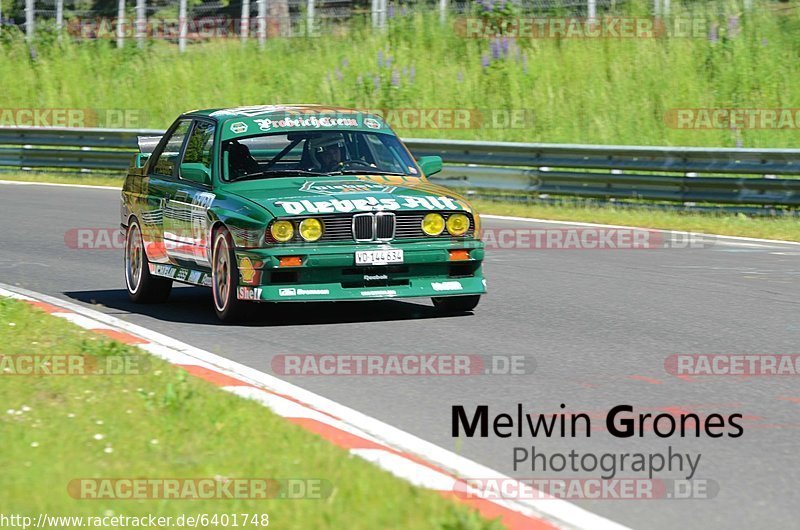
x,y
328,272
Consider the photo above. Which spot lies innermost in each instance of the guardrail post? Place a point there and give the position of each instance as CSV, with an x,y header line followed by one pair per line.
x,y
120,23
59,17
309,17
182,22
29,22
262,22
244,27
442,12
141,23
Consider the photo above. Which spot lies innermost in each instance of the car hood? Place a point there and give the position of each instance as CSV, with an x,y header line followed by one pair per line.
x,y
284,197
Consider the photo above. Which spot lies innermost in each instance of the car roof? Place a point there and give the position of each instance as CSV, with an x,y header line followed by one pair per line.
x,y
271,111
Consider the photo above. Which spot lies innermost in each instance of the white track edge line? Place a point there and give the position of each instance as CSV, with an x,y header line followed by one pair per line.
x,y
556,509
601,225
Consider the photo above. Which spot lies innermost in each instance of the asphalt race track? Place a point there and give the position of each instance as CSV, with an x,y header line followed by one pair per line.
x,y
598,324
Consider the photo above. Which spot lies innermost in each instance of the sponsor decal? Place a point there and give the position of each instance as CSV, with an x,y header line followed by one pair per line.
x,y
167,271
203,199
207,280
315,122
368,204
291,291
374,277
338,187
239,127
249,293
385,292
372,123
246,270
446,286
182,274
195,276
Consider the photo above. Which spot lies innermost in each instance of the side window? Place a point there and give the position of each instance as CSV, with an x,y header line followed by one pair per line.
x,y
196,165
165,165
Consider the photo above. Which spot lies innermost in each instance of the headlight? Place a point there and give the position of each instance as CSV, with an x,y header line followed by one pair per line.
x,y
458,224
311,229
282,231
433,224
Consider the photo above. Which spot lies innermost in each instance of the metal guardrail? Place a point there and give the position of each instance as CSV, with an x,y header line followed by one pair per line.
x,y
677,174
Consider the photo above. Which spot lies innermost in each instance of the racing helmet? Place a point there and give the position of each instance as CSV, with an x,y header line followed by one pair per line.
x,y
318,145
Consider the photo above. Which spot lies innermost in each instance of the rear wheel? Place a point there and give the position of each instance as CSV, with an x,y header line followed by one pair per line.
x,y
456,304
143,287
225,278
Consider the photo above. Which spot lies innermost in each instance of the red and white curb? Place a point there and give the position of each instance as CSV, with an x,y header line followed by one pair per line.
x,y
402,454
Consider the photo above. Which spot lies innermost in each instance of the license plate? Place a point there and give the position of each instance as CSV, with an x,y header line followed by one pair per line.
x,y
379,257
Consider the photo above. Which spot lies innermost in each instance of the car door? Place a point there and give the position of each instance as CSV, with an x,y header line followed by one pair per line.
x,y
161,184
186,220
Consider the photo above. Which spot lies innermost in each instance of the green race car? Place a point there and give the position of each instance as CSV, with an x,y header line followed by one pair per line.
x,y
294,204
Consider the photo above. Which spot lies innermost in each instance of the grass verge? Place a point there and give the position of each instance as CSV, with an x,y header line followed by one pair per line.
x,y
161,423
786,229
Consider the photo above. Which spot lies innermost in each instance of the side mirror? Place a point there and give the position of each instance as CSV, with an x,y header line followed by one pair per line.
x,y
196,173
430,164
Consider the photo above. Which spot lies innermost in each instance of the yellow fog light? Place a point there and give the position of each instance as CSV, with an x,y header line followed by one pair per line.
x,y
311,229
458,224
282,231
433,224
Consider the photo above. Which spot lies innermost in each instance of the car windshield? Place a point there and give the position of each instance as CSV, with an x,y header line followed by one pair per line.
x,y
317,154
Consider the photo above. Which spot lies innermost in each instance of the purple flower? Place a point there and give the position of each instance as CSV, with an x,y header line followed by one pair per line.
x,y
764,42
390,12
395,78
485,61
377,82
338,74
713,35
733,23
388,62
412,73
494,47
504,46
345,63
380,58
525,62
460,76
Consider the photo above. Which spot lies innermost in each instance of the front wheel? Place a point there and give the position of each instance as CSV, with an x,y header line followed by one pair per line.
x,y
143,287
225,278
456,304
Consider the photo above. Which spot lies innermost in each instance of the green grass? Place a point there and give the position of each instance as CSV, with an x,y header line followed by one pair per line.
x,y
164,424
579,90
732,224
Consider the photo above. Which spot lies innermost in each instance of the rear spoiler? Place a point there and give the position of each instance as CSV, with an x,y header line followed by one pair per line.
x,y
147,144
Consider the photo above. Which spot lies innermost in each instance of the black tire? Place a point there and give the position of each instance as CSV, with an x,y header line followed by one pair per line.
x,y
456,304
225,278
142,287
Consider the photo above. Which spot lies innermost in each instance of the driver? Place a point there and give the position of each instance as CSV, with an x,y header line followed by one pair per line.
x,y
326,152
